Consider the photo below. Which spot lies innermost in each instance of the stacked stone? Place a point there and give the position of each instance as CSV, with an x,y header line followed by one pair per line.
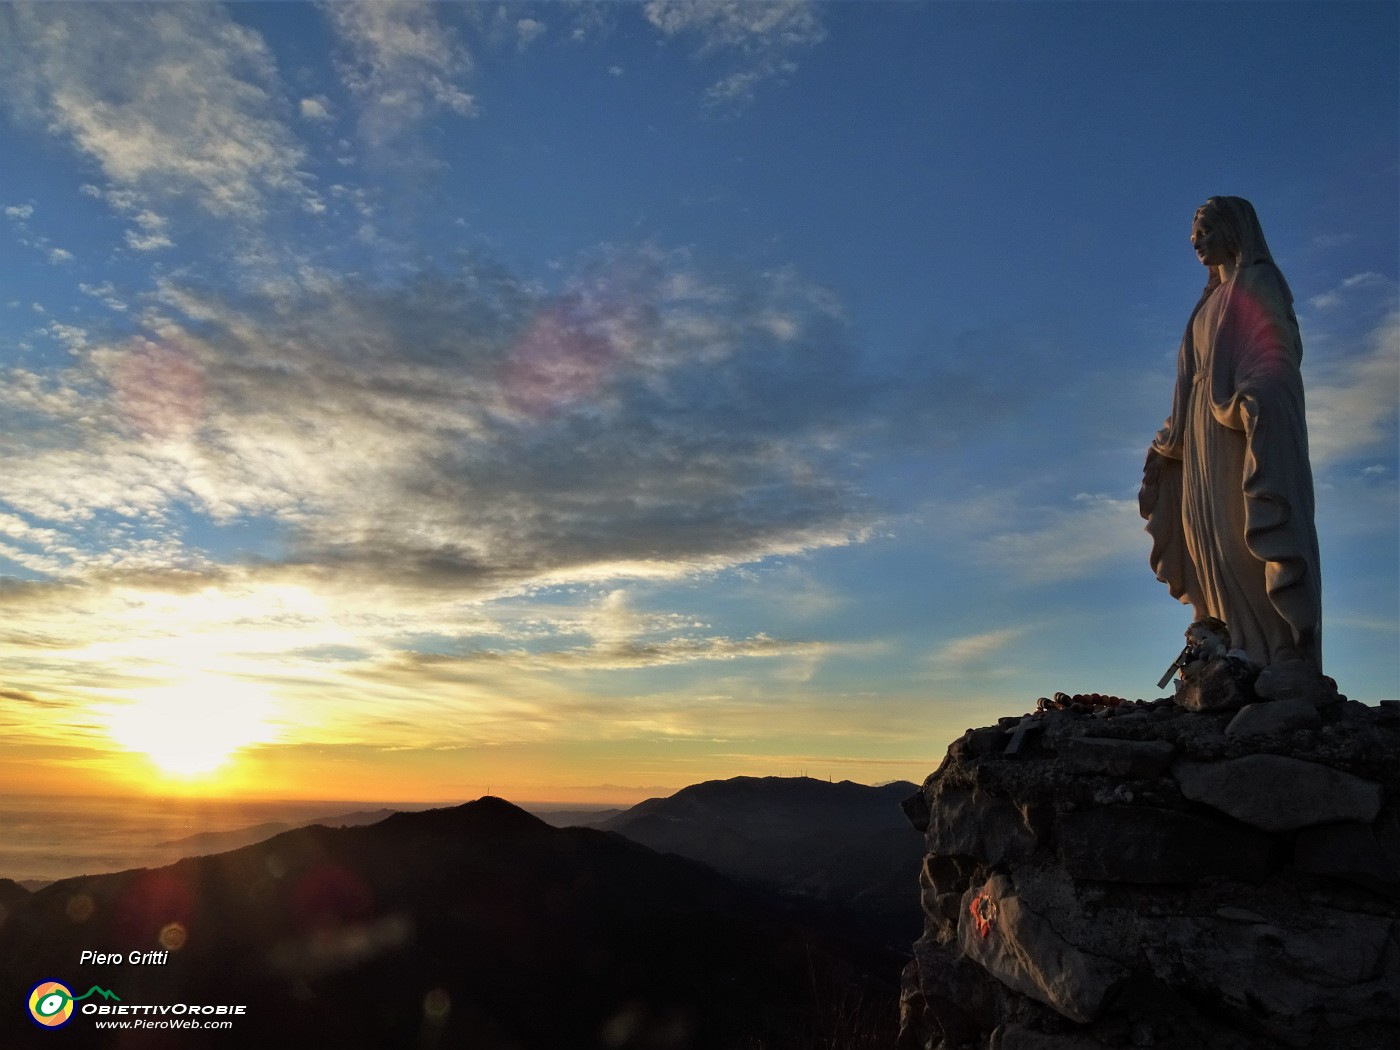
x,y
1185,880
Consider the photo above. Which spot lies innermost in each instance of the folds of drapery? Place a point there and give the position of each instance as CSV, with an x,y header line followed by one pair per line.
x,y
1249,370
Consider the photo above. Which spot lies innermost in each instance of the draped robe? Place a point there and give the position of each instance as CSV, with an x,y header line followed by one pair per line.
x,y
1227,489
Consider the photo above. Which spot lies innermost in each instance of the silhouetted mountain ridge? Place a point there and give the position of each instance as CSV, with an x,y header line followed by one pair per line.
x,y
488,815
845,844
475,925
779,798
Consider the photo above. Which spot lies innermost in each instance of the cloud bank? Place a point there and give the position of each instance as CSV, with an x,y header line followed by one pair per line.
x,y
461,430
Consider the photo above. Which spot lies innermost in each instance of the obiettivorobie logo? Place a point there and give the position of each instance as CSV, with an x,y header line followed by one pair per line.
x,y
51,1003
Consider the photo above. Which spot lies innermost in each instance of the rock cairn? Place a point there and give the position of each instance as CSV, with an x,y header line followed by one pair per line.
x,y
1145,875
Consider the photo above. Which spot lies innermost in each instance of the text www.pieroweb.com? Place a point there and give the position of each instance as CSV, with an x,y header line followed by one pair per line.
x,y
176,1022
204,1018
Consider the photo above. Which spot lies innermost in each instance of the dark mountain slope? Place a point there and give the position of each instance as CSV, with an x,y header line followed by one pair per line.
x,y
11,893
478,926
842,842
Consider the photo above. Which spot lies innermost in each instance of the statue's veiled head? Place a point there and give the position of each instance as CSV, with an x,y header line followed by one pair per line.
x,y
1235,223
1238,226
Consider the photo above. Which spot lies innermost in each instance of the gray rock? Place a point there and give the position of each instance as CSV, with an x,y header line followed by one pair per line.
x,y
942,880
956,993
948,905
1134,759
1159,846
1214,688
972,823
1295,680
1019,1037
1288,976
1276,793
989,740
1347,851
916,809
1022,950
1277,717
1387,830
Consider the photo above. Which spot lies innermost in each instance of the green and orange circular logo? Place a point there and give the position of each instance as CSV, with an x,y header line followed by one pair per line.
x,y
51,1004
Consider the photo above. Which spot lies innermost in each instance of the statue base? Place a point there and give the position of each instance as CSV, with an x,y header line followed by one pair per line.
x,y
1296,680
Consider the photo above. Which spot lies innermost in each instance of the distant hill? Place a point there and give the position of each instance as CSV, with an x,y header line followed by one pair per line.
x,y
219,841
477,926
575,818
843,843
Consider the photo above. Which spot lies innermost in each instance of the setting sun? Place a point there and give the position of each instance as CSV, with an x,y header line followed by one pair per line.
x,y
193,729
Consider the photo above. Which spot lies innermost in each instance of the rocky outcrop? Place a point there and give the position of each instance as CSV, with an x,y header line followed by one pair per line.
x,y
1152,876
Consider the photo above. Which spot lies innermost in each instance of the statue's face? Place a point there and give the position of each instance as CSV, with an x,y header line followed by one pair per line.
x,y
1209,241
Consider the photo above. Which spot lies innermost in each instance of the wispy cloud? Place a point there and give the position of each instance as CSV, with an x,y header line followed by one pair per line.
x,y
758,37
1354,370
317,108
527,30
106,293
975,658
1072,541
974,648
753,26
150,233
1335,297
1066,539
400,61
169,99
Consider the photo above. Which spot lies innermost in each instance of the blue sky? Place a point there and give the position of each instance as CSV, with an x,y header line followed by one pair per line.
x,y
581,400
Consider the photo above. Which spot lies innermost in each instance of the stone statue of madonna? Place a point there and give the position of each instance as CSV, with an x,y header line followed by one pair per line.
x,y
1227,490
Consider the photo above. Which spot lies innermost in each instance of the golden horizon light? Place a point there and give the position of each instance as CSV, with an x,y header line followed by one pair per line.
x,y
194,729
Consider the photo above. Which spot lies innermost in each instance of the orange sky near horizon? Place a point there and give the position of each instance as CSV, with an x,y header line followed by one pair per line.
x,y
573,773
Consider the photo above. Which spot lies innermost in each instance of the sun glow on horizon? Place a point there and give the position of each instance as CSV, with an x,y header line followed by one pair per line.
x,y
194,729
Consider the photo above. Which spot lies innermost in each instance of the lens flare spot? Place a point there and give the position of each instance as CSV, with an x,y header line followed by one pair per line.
x,y
173,936
569,351
79,907
437,1004
159,387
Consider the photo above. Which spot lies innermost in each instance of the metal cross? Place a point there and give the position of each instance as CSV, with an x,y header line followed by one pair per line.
x,y
1027,727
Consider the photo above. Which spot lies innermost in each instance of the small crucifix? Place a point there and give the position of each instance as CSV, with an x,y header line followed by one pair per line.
x,y
1026,728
